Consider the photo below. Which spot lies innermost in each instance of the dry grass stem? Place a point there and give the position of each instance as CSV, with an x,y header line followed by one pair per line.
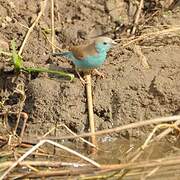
x,y
90,109
160,126
25,118
140,151
151,173
52,25
30,151
152,35
163,162
124,127
43,163
144,164
55,47
20,90
137,16
166,132
69,130
29,156
43,6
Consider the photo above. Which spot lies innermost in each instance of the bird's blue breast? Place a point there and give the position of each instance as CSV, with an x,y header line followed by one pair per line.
x,y
90,62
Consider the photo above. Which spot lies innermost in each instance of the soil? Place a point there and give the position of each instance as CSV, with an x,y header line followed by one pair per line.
x,y
128,93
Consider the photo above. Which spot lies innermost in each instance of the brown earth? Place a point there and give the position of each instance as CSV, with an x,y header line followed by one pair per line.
x,y
129,92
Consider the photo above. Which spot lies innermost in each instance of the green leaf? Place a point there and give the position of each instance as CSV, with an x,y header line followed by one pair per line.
x,y
40,70
18,65
16,59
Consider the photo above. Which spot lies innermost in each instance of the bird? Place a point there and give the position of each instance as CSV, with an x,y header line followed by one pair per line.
x,y
88,57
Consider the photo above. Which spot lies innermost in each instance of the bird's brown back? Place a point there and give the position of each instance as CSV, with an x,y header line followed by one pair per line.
x,y
82,51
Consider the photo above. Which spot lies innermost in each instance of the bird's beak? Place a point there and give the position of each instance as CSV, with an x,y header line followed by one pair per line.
x,y
114,43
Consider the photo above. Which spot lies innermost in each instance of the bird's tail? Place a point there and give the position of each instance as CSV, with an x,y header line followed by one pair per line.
x,y
67,54
60,54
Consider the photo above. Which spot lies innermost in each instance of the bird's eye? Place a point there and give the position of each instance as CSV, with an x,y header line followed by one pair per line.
x,y
104,43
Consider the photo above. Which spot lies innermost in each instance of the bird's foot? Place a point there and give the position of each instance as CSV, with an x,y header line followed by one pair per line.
x,y
81,79
96,72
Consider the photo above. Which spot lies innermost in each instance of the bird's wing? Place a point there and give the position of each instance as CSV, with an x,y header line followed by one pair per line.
x,y
81,52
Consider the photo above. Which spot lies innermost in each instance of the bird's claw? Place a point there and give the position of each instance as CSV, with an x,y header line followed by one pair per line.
x,y
96,72
82,81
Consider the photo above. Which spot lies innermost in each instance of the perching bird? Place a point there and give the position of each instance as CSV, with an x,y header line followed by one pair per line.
x,y
90,56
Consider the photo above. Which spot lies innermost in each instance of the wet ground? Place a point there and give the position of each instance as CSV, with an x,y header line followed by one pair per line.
x,y
128,93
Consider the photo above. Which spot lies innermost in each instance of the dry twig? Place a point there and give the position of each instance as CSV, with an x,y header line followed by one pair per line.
x,y
21,91
149,140
124,127
90,109
40,144
137,17
52,25
43,6
74,134
152,35
163,162
55,47
23,114
54,164
166,132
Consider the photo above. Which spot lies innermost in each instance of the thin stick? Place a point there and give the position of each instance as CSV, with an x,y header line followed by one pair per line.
x,y
55,47
54,164
148,140
151,172
108,168
152,35
165,132
90,109
74,152
145,164
40,144
82,139
43,6
137,16
25,116
125,127
52,26
24,124
74,134
20,89
52,173
31,168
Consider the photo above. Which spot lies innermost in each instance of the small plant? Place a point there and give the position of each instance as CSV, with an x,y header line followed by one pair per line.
x,y
17,62
16,59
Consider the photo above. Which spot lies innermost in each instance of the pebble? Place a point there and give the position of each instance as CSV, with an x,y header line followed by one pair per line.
x,y
12,5
8,19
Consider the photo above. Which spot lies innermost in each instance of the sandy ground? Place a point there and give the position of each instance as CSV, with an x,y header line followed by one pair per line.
x,y
130,92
